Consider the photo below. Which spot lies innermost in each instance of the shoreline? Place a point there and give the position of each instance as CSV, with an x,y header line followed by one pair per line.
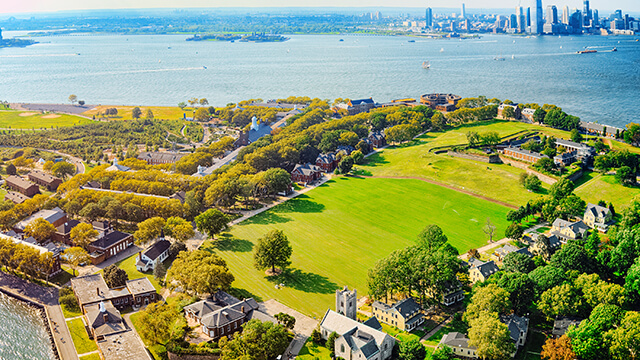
x,y
44,315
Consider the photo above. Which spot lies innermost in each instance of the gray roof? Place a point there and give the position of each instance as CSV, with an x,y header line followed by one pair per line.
x,y
66,227
598,127
578,227
376,136
90,289
202,308
503,251
515,324
488,268
363,341
570,144
597,211
109,239
140,286
326,158
306,169
362,101
157,249
216,313
51,216
473,262
456,339
43,176
561,324
405,307
342,324
19,182
16,197
262,130
114,323
161,156
373,323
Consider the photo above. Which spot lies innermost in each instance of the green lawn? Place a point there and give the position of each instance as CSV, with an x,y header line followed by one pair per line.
x,y
80,338
159,112
129,265
605,187
339,230
453,326
496,181
69,313
12,119
533,346
311,351
93,356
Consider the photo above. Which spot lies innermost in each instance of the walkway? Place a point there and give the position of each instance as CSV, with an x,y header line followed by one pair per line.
x,y
92,269
302,330
487,247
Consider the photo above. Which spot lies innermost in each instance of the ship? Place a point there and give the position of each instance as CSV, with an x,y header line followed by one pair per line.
x,y
614,49
590,51
411,41
426,64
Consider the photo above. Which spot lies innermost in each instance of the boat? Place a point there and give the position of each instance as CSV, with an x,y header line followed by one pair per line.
x,y
614,49
513,56
441,49
589,51
169,47
411,41
499,58
204,68
426,64
341,40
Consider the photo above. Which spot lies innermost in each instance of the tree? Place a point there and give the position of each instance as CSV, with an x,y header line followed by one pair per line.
x,y
412,349
487,299
76,256
114,276
547,277
258,341
212,222
73,99
200,272
489,229
182,105
517,262
40,229
514,231
345,165
561,189
572,256
63,169
204,102
157,322
277,180
81,102
331,343
626,176
576,136
202,114
491,337
545,164
432,238
176,248
83,234
316,336
285,320
521,290
558,349
508,112
624,341
473,138
532,183
539,115
179,229
11,169
443,353
159,272
358,157
149,229
136,113
149,115
272,250
561,300
91,212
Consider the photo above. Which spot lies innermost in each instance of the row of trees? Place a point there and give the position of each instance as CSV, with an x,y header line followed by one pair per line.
x,y
25,259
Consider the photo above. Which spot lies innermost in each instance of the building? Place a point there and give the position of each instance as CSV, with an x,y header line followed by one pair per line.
x,y
48,181
55,217
429,18
327,162
453,293
405,314
347,302
598,217
116,167
536,18
517,113
15,197
306,173
42,249
601,130
459,343
583,150
528,114
354,107
567,230
92,289
481,272
518,328
180,195
255,132
22,186
377,139
562,323
110,242
63,232
154,254
566,158
552,245
440,102
103,319
356,340
524,155
503,251
223,315
158,158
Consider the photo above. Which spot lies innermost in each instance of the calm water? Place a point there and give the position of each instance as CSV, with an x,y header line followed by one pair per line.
x,y
165,69
23,334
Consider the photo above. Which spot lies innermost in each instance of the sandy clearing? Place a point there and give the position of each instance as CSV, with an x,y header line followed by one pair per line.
x,y
51,116
27,114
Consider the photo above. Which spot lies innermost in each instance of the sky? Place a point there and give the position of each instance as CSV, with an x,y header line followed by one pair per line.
x,y
20,6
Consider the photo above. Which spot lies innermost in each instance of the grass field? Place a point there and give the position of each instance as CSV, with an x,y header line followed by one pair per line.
x,y
159,112
605,187
129,265
339,230
12,119
311,351
496,181
80,338
93,356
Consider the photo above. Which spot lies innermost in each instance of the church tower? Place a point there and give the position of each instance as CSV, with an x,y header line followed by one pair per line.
x,y
347,302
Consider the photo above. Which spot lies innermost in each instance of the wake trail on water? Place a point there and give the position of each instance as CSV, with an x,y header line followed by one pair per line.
x,y
148,71
36,55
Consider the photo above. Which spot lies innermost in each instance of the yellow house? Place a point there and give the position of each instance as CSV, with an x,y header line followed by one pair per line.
x,y
405,315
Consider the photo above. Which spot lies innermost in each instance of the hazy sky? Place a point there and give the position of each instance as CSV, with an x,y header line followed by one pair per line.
x,y
14,6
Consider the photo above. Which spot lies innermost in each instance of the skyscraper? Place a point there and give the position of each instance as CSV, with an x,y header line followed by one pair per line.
x,y
429,18
528,17
463,14
536,17
552,14
521,19
565,15
586,14
596,18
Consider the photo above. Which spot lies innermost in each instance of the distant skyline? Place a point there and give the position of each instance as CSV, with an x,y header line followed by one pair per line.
x,y
26,6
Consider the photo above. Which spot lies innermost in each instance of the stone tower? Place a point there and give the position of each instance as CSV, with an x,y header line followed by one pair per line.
x,y
347,302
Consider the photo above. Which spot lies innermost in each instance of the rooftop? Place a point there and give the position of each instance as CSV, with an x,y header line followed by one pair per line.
x,y
109,239
123,346
157,249
43,176
140,286
19,182
90,289
51,216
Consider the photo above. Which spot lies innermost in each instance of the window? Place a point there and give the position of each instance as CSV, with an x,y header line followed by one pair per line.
x,y
235,325
341,348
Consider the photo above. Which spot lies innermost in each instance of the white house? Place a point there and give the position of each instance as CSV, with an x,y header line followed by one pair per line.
x,y
156,253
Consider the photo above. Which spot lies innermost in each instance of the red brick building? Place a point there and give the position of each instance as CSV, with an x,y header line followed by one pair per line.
x,y
110,243
327,162
46,180
524,155
24,187
377,139
306,173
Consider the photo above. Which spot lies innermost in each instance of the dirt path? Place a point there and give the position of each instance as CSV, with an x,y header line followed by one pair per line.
x,y
448,187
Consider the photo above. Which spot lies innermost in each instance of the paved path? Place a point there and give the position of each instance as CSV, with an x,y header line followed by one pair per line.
x,y
436,329
487,247
92,269
61,334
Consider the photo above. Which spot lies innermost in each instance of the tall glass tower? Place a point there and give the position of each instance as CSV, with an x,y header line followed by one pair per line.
x,y
536,17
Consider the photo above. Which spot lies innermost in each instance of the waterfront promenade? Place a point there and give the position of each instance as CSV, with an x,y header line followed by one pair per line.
x,y
46,298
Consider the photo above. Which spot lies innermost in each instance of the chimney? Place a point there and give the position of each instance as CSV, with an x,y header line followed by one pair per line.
x,y
242,309
105,317
98,291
